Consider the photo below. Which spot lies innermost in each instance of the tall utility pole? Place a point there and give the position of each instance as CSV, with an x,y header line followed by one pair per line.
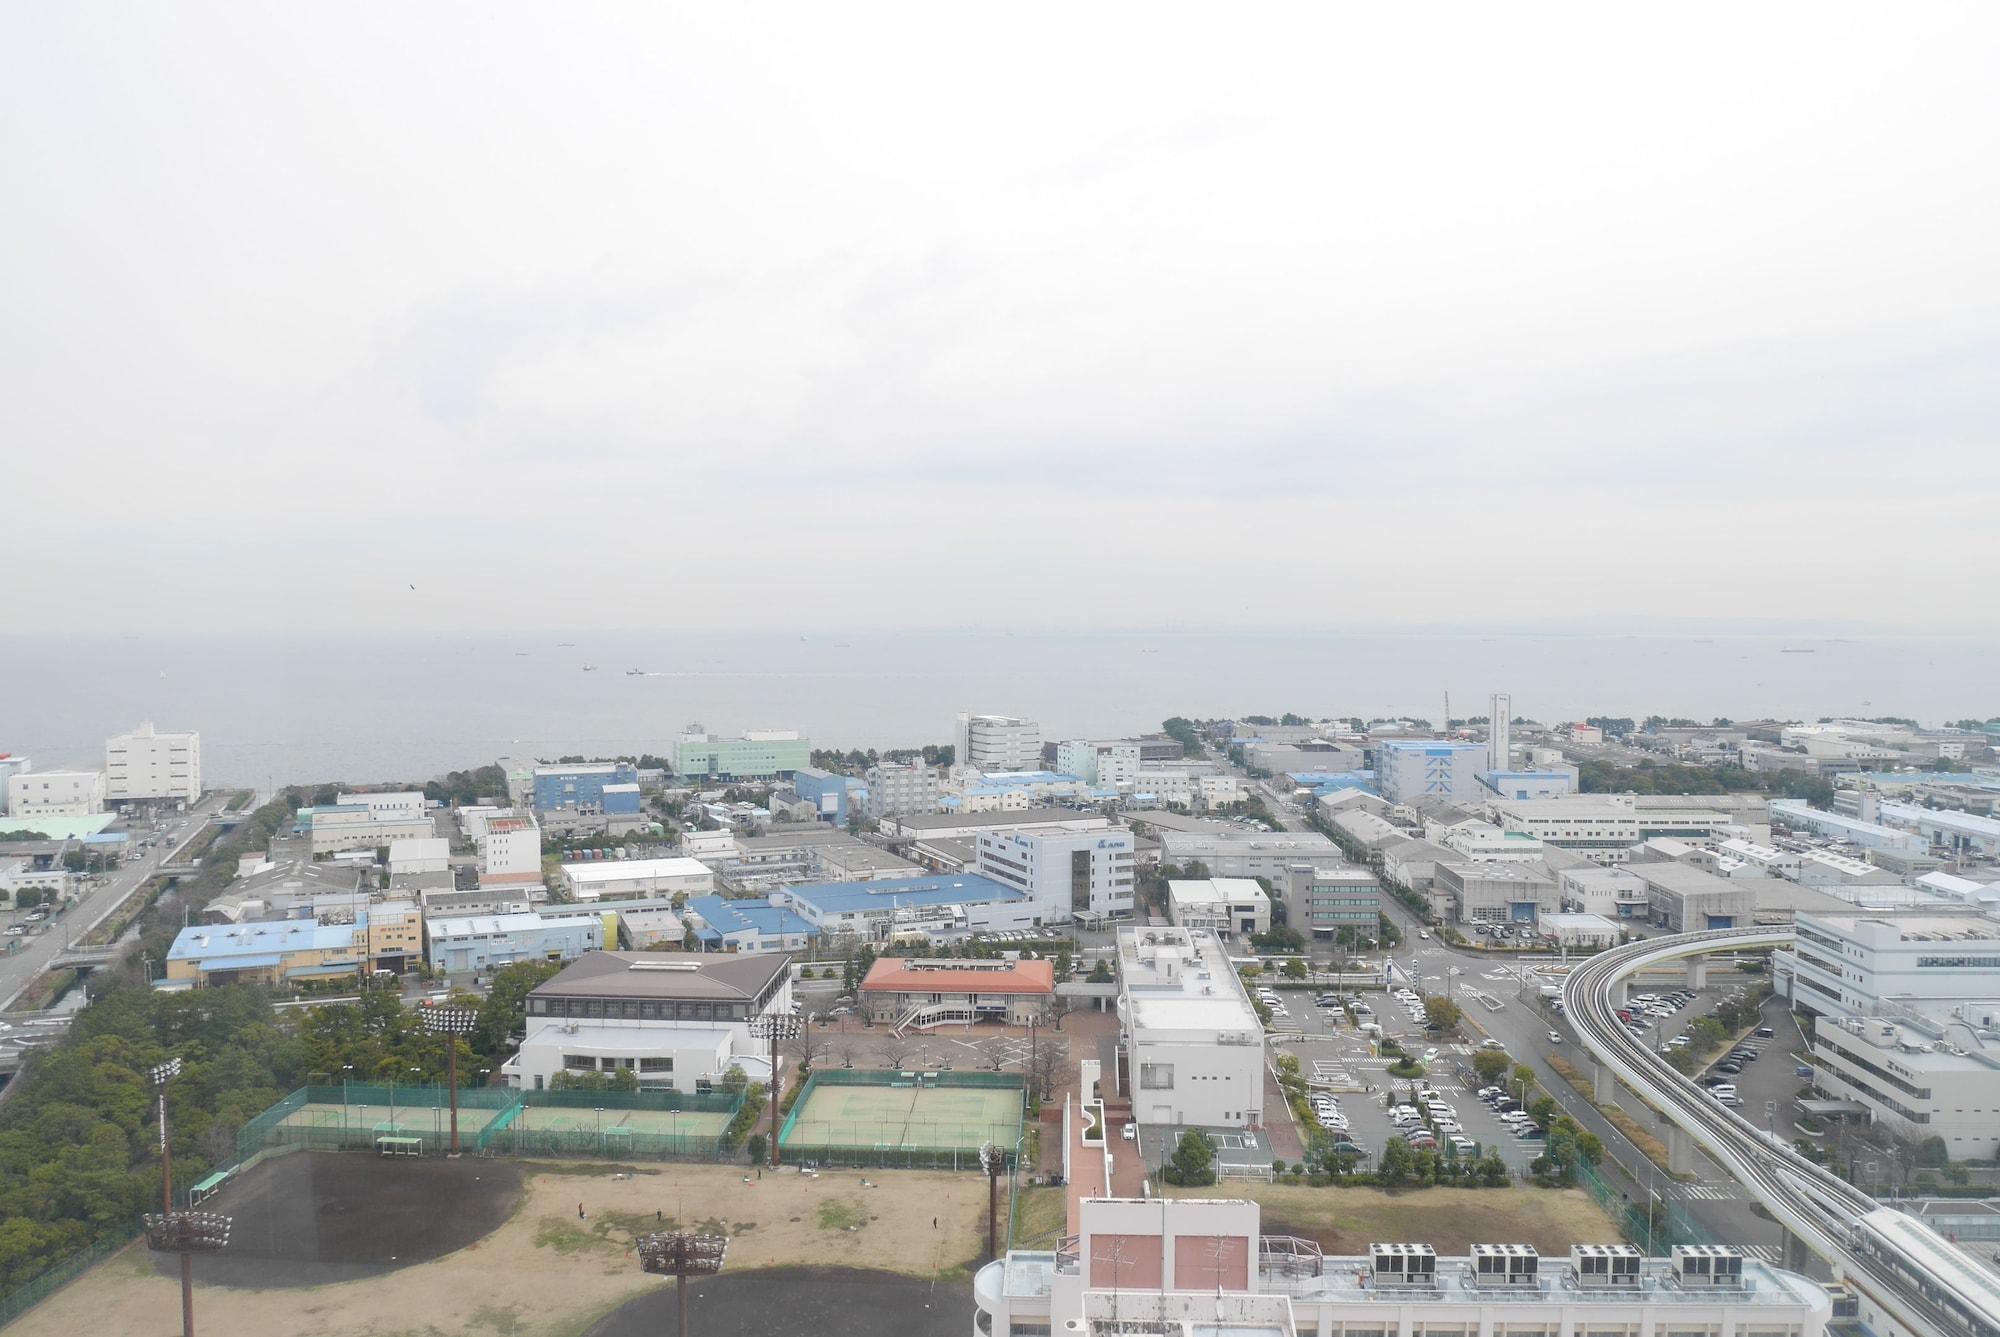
x,y
180,1232
451,1023
775,1026
681,1254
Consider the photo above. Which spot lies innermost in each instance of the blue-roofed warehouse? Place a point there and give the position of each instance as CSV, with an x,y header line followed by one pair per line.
x,y
755,925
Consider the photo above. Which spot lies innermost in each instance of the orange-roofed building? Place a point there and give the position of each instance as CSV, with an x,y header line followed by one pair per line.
x,y
921,992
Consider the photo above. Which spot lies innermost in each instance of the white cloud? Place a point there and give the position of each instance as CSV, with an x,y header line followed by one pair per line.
x,y
1068,293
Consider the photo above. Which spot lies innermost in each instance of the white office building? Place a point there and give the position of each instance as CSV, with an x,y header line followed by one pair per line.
x,y
1064,874
997,743
147,764
1603,829
1111,765
55,793
1194,1047
901,790
1909,1008
403,806
1232,908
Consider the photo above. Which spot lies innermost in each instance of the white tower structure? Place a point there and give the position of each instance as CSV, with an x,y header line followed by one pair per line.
x,y
1500,714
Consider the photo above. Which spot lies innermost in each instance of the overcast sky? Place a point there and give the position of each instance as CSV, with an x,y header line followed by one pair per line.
x,y
1049,316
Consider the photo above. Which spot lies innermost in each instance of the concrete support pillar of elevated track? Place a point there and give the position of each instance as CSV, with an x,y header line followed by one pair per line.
x,y
1618,992
1697,972
1680,1151
1603,1085
1797,1257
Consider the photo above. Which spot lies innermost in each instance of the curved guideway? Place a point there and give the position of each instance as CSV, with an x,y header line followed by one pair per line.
x,y
1819,1209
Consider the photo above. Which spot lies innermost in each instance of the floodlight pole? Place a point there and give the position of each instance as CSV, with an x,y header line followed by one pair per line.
x,y
163,1074
776,1088
451,1081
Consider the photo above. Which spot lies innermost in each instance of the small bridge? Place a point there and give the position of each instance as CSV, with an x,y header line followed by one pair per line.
x,y
83,957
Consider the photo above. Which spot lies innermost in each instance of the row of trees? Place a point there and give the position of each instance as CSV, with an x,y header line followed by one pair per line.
x,y
77,1144
1595,776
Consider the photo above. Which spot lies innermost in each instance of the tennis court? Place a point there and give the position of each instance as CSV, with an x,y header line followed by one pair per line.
x,y
417,1121
622,1123
321,1125
938,1119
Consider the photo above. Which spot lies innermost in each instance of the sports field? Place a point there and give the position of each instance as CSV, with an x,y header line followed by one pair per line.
x,y
904,1117
318,1124
621,1123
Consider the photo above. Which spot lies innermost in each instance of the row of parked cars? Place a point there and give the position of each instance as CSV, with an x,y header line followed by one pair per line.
x,y
1442,1122
1510,1112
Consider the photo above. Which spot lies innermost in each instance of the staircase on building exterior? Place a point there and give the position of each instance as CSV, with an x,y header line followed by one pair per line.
x,y
923,1016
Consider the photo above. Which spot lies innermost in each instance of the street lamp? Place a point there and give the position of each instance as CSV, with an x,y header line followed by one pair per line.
x,y
775,1026
451,1023
682,1254
170,1231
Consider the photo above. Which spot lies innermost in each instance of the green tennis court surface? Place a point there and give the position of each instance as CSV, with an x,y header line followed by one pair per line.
x,y
903,1118
616,1123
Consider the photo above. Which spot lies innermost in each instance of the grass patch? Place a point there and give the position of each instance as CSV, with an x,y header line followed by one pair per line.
x,y
506,1321
1040,1215
842,1216
1346,1220
568,1237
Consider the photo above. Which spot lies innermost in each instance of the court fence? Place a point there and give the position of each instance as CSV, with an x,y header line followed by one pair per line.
x,y
906,1141
416,1120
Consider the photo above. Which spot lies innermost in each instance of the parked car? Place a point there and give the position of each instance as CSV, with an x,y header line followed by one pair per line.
x,y
1555,1037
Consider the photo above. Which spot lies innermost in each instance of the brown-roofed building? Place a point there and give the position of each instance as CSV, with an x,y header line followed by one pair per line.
x,y
675,1021
924,993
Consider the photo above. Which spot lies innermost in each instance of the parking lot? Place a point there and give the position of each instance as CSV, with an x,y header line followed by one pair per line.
x,y
1339,1060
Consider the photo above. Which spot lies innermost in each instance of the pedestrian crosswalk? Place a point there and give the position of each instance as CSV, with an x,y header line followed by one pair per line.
x,y
1708,1192
1763,1252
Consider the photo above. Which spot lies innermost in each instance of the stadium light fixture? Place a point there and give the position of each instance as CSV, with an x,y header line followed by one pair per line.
x,y
681,1254
162,1073
451,1022
187,1232
775,1027
992,1159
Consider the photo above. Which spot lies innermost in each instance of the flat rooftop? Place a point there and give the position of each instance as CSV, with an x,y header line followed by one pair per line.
x,y
625,870
1181,980
902,893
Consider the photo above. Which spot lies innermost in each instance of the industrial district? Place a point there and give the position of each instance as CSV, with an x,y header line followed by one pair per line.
x,y
1272,1026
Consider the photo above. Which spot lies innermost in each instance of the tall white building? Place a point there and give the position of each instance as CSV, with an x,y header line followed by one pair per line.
x,y
1064,873
997,743
1194,1045
149,764
901,791
55,793
1106,764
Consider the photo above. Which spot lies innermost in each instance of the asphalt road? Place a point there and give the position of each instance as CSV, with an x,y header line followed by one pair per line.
x,y
20,966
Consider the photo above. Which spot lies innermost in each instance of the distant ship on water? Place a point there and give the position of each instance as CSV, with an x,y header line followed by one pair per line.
x,y
590,668
1798,652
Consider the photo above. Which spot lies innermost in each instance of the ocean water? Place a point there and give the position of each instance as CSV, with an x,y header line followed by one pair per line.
x,y
393,707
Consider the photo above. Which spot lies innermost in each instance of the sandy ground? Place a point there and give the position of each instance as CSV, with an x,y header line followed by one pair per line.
x,y
545,1273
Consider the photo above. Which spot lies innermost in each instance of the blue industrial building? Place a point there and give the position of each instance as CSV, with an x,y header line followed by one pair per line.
x,y
1530,784
599,786
834,797
758,925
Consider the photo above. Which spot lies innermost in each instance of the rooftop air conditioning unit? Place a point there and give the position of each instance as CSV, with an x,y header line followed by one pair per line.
x,y
1605,1264
1707,1266
1402,1264
1505,1265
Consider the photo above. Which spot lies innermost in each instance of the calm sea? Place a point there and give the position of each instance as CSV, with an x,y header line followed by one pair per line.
x,y
384,707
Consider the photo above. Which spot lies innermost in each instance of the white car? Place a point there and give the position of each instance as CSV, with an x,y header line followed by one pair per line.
x,y
1430,1055
1555,1037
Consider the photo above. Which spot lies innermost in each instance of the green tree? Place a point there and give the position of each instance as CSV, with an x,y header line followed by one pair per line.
x,y
1398,1163
1490,1065
1100,973
1193,1161
1442,1011
1295,968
